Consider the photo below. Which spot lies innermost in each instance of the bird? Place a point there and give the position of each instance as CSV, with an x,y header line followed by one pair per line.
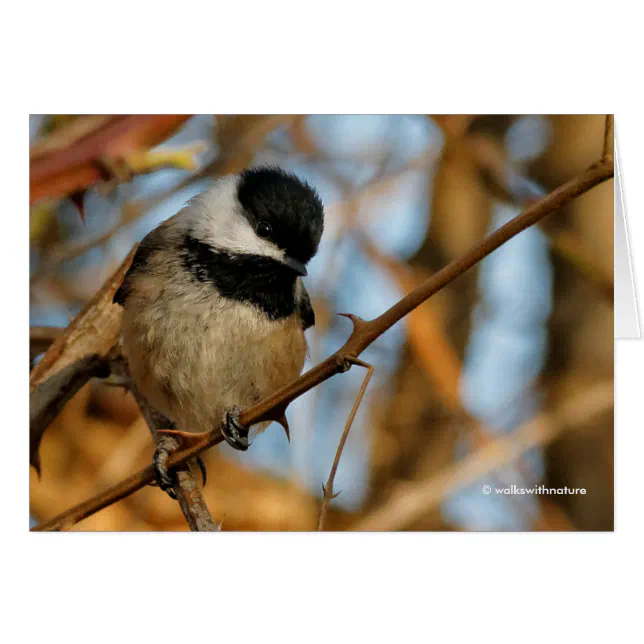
x,y
214,306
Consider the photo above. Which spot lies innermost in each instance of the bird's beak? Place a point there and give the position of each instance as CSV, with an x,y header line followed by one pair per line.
x,y
296,266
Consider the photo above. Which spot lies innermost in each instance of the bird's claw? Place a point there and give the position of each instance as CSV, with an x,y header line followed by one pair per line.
x,y
164,479
202,468
234,432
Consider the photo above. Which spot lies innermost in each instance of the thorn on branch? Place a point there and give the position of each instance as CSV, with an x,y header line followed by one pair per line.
x,y
358,322
276,414
330,495
78,199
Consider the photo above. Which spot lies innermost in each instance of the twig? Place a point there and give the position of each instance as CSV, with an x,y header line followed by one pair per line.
x,y
413,501
193,505
328,488
425,333
364,333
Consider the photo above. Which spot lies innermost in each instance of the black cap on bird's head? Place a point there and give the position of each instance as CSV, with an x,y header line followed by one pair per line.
x,y
284,210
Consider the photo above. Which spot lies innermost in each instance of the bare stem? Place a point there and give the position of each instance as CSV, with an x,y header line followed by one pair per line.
x,y
328,488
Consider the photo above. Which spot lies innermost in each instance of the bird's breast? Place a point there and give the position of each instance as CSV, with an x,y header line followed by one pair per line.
x,y
194,360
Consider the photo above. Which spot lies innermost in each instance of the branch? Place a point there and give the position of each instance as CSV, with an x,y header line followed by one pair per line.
x,y
79,354
413,501
328,488
425,333
364,333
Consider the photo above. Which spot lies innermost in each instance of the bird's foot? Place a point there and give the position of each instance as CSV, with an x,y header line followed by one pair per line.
x,y
166,446
168,442
234,432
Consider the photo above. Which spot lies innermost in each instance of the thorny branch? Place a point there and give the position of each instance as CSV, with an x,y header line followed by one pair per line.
x,y
328,488
364,333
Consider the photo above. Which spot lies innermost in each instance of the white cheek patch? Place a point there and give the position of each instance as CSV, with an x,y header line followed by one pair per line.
x,y
216,219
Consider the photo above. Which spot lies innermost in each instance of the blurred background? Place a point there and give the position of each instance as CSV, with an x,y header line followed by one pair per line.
x,y
521,346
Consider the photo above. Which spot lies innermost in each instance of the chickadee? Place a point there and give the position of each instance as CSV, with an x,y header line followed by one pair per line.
x,y
214,305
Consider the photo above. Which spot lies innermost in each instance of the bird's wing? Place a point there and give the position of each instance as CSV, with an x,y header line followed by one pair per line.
x,y
305,310
145,249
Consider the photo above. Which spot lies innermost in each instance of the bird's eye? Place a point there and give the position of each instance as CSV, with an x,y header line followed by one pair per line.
x,y
264,229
